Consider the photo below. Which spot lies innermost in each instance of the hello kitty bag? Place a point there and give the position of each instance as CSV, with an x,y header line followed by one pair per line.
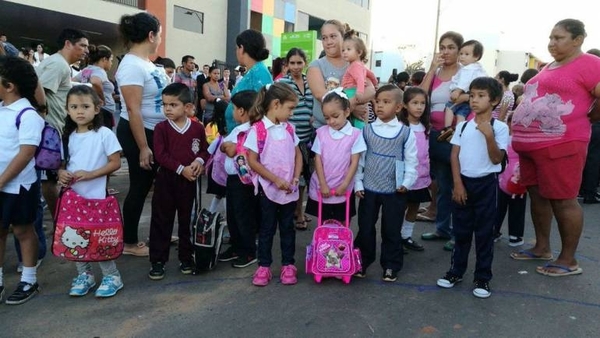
x,y
87,230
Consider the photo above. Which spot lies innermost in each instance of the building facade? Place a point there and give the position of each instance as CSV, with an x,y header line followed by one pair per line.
x,y
205,29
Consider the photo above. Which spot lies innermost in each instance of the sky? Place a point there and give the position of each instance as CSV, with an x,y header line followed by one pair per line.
x,y
513,25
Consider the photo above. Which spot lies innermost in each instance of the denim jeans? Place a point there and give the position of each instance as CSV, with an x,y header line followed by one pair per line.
x,y
272,214
38,224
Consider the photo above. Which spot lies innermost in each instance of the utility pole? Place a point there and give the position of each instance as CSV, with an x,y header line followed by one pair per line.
x,y
437,25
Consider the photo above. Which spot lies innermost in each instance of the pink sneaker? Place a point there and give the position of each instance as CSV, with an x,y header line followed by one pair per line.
x,y
288,275
262,276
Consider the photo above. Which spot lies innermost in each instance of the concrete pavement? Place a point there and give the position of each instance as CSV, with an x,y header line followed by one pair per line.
x,y
223,303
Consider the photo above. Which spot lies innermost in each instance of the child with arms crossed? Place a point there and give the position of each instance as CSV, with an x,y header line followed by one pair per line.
x,y
180,149
92,153
337,146
477,153
276,159
385,173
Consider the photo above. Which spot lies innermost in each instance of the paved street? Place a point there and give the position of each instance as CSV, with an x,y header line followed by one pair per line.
x,y
223,303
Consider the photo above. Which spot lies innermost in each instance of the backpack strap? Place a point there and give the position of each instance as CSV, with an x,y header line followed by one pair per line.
x,y
18,120
261,133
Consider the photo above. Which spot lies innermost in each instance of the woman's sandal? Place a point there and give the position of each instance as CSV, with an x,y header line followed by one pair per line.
x,y
303,226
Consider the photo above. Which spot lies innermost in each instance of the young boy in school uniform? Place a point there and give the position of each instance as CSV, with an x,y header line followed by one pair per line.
x,y
478,149
180,148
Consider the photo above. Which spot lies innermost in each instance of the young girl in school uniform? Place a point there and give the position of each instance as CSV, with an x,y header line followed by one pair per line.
x,y
415,113
337,149
93,154
276,159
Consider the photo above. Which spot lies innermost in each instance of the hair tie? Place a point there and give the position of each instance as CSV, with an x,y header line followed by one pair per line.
x,y
267,86
339,91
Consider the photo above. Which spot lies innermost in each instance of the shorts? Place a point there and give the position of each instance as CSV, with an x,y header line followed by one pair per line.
x,y
556,170
19,209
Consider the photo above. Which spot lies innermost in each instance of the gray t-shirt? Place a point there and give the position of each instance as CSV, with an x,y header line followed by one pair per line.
x,y
108,88
54,74
332,77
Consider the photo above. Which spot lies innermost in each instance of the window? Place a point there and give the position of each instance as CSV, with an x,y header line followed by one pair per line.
x,y
188,19
256,21
288,27
378,63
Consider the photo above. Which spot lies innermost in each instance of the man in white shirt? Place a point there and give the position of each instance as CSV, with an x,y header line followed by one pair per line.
x,y
54,74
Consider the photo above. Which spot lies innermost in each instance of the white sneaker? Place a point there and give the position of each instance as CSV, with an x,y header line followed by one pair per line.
x,y
82,284
109,287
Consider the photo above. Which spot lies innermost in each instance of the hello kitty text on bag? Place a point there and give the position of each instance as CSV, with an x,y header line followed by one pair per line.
x,y
87,230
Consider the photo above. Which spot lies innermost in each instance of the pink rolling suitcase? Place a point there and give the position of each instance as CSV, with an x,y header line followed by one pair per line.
x,y
331,252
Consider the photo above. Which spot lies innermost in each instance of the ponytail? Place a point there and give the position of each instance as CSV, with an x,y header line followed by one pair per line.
x,y
266,95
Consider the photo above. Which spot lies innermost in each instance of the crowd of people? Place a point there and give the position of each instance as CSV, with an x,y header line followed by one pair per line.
x,y
453,136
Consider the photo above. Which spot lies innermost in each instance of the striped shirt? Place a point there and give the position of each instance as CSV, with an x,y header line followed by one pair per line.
x,y
303,111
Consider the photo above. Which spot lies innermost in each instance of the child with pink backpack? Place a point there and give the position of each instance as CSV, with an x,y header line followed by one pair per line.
x,y
276,159
243,212
512,198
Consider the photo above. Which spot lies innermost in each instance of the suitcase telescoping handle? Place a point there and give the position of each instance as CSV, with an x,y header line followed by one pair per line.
x,y
320,216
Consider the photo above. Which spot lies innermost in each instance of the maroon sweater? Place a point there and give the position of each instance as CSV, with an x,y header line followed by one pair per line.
x,y
175,149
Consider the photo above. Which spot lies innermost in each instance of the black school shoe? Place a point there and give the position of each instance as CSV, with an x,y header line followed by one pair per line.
x,y
389,275
157,272
481,289
228,255
186,268
409,243
23,293
242,262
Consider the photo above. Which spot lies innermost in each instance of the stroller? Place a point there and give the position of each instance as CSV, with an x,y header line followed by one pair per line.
x,y
331,252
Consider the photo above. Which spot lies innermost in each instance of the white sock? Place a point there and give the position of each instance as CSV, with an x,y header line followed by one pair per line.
x,y
1,276
214,204
28,275
407,229
224,209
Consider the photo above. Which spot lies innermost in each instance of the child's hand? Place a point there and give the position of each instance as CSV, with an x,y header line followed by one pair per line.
x,y
459,194
360,194
294,185
454,95
197,168
341,190
402,189
325,191
283,185
82,175
188,173
64,177
486,128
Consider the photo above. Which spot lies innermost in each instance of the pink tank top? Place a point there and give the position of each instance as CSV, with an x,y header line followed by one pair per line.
x,y
423,177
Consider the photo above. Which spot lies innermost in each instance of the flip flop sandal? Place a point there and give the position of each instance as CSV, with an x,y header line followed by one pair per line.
x,y
301,228
425,218
526,255
565,270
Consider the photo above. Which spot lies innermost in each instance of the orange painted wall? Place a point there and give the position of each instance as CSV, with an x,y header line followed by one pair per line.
x,y
158,8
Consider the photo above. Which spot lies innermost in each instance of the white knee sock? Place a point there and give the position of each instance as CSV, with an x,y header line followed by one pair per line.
x,y
214,204
407,229
28,275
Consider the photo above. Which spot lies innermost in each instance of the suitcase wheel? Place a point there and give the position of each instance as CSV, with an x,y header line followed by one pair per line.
x,y
318,278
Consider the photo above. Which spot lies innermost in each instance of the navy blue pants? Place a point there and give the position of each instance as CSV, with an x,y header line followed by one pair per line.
x,y
516,213
172,194
477,217
272,214
392,217
243,216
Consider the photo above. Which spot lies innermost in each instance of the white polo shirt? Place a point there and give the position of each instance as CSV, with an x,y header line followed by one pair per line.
x,y
11,139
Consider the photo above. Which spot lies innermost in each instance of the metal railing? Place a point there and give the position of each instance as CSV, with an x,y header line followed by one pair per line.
x,y
131,3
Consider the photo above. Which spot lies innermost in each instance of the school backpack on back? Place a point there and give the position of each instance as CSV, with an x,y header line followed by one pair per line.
x,y
47,155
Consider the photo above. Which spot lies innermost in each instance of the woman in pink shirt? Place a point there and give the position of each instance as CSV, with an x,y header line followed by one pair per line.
x,y
551,131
